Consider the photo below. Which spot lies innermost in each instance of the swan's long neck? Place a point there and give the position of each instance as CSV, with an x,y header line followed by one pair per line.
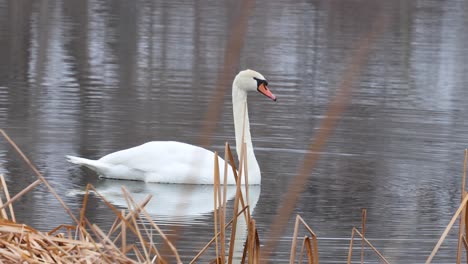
x,y
239,104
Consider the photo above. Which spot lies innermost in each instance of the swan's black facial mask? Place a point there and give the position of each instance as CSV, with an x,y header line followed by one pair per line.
x,y
262,87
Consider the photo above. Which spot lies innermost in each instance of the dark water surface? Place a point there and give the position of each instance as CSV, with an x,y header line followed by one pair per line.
x,y
91,77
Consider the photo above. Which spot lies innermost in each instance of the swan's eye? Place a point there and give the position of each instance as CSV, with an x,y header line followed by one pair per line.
x,y
260,81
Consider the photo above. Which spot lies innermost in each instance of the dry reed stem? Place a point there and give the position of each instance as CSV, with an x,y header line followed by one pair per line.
x,y
3,213
213,239
123,234
244,251
158,255
461,233
215,200
236,205
142,240
254,243
249,246
127,217
302,251
463,224
127,220
38,174
466,231
103,238
251,250
314,239
223,206
372,246
155,226
133,217
21,193
363,229
243,157
292,256
334,111
351,244
84,206
137,254
257,241
350,252
116,211
465,243
7,196
152,246
246,179
96,233
463,217
236,177
464,194
52,243
308,246
465,160
221,215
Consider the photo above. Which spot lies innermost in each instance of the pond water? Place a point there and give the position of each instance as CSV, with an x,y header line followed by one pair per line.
x,y
91,77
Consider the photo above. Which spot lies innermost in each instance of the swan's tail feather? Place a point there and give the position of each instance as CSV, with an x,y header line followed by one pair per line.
x,y
92,164
77,160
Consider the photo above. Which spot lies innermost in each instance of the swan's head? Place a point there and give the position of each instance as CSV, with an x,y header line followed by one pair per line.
x,y
249,80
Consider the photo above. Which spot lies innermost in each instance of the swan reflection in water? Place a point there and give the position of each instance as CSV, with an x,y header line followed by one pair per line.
x,y
182,203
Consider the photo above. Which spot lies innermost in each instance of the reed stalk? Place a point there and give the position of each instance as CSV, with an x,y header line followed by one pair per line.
x,y
83,206
223,204
462,225
203,250
246,180
154,225
363,229
7,196
350,252
123,232
3,213
236,207
463,231
251,250
236,177
216,194
21,193
313,237
307,245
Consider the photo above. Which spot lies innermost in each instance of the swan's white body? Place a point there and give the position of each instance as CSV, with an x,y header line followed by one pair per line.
x,y
158,161
176,162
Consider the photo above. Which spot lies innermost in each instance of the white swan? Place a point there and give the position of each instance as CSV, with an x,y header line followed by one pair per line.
x,y
176,162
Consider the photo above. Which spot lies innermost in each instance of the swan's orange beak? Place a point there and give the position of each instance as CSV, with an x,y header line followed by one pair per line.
x,y
265,91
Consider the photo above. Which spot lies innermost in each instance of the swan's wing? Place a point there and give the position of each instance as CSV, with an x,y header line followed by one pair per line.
x,y
168,161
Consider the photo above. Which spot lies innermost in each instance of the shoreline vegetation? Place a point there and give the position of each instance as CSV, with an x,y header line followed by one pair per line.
x,y
128,241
